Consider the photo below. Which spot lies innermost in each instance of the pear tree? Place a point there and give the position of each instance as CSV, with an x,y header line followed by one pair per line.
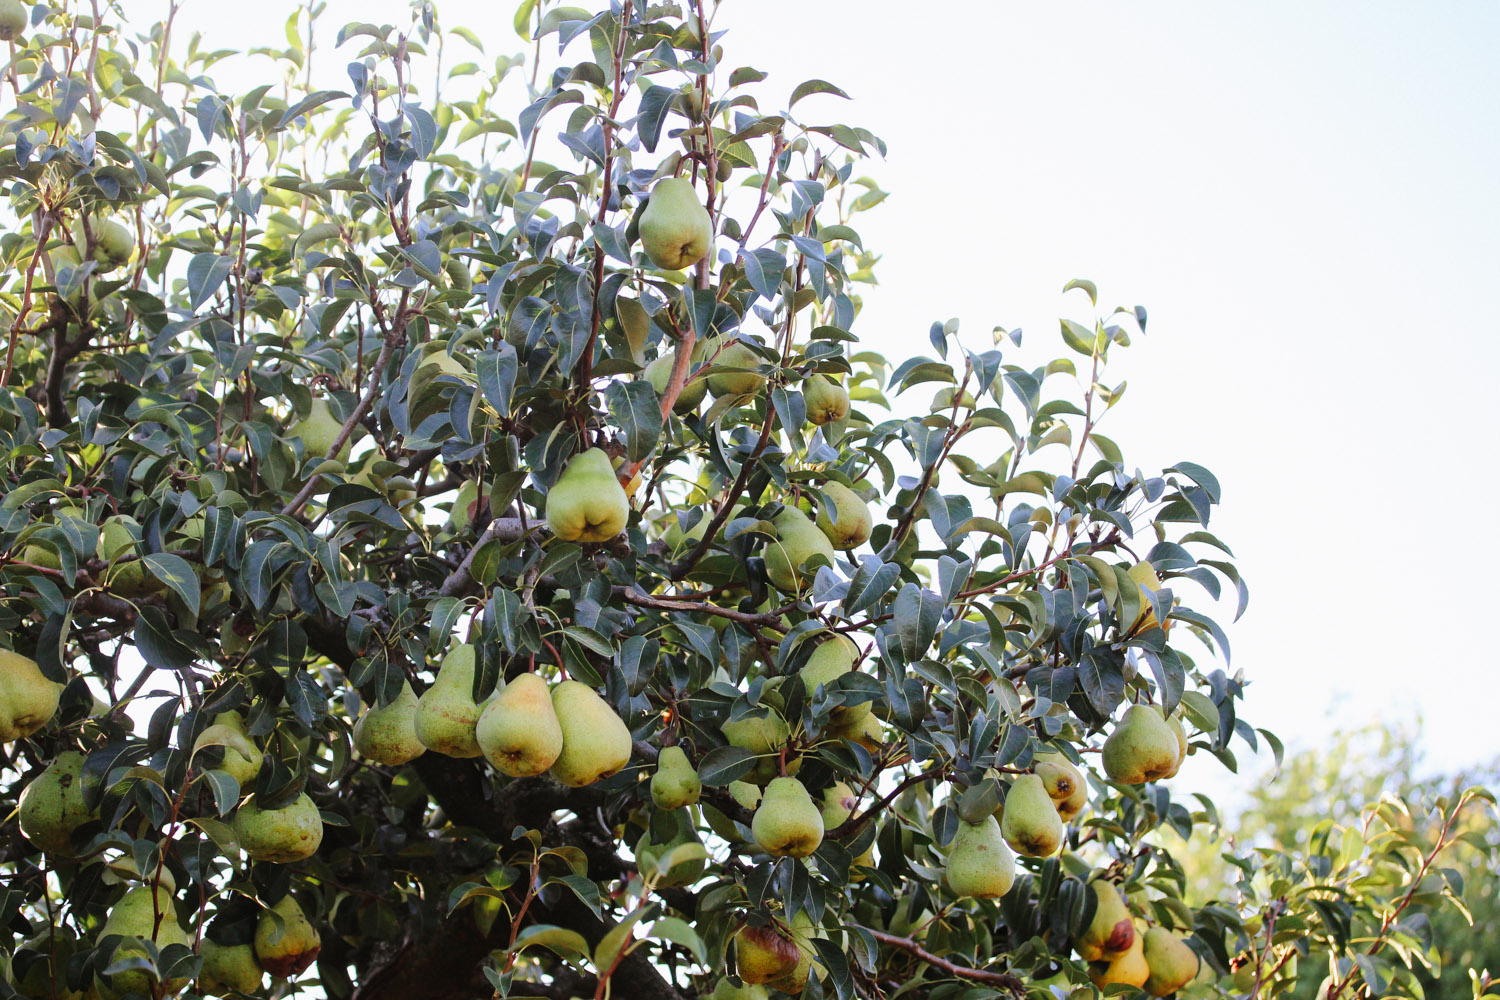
x,y
453,543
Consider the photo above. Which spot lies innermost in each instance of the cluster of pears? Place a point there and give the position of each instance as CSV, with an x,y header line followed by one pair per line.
x,y
1120,948
802,544
524,729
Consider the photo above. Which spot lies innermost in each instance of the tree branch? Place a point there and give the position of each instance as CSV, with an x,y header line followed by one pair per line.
x,y
1001,979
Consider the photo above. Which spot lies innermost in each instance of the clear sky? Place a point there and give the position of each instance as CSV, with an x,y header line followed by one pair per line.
x,y
1305,198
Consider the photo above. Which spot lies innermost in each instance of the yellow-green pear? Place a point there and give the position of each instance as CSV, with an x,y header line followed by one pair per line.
x,y
1129,968
831,660
446,713
518,731
52,806
1141,748
132,577
229,969
867,732
839,801
675,227
1065,783
735,354
659,373
787,823
287,946
803,932
144,913
726,990
1031,825
1112,932
13,19
242,758
318,431
826,400
1180,734
979,862
1144,574
290,833
587,503
854,522
113,243
387,734
684,853
1172,963
797,541
28,700
763,733
596,742
675,784
762,954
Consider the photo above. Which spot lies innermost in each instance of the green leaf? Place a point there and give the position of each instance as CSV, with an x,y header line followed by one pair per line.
x,y
176,573
205,273
721,765
809,87
636,410
566,943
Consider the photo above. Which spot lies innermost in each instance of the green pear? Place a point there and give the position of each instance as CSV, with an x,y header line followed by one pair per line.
x,y
675,784
1065,783
144,913
13,19
447,713
28,700
659,373
1129,968
1180,734
283,835
798,540
803,932
787,823
831,660
1141,748
587,503
242,758
113,243
1031,826
318,431
229,969
762,954
46,978
132,578
675,228
826,400
1111,933
52,806
852,529
1172,963
867,732
287,946
736,354
726,990
596,743
387,734
763,733
839,801
979,862
684,853
518,731
66,257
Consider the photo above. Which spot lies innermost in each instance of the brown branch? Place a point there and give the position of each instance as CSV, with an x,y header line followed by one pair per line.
x,y
768,619
711,532
1001,979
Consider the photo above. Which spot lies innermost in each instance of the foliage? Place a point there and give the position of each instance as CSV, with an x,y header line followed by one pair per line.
x,y
293,378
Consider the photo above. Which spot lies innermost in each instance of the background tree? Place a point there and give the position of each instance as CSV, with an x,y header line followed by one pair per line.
x,y
390,608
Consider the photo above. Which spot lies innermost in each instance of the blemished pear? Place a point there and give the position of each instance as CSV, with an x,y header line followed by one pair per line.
x,y
826,400
28,700
387,734
587,503
318,431
854,522
831,660
446,713
518,730
1172,963
1141,748
596,743
287,946
135,916
675,228
675,784
1065,784
1031,825
283,835
229,968
659,373
1111,933
803,932
736,354
980,864
762,954
787,823
1129,968
242,758
839,801
797,541
52,806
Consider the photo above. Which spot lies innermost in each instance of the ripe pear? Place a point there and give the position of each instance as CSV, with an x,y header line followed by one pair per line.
x,y
1031,825
28,700
675,227
147,914
726,990
797,541
736,354
587,503
839,801
803,932
229,969
387,734
852,529
1172,963
287,947
659,373
447,713
831,660
1175,724
283,835
979,862
318,431
1141,748
242,758
826,400
762,954
787,823
13,19
1111,933
1129,968
1065,784
1144,574
52,806
867,732
675,784
596,743
764,734
518,731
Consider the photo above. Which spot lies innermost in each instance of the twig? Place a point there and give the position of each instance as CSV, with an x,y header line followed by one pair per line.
x,y
1002,979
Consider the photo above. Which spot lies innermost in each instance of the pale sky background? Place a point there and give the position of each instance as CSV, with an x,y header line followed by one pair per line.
x,y
1305,198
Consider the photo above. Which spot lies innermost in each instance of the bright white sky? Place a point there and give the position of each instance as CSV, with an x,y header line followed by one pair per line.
x,y
1305,198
